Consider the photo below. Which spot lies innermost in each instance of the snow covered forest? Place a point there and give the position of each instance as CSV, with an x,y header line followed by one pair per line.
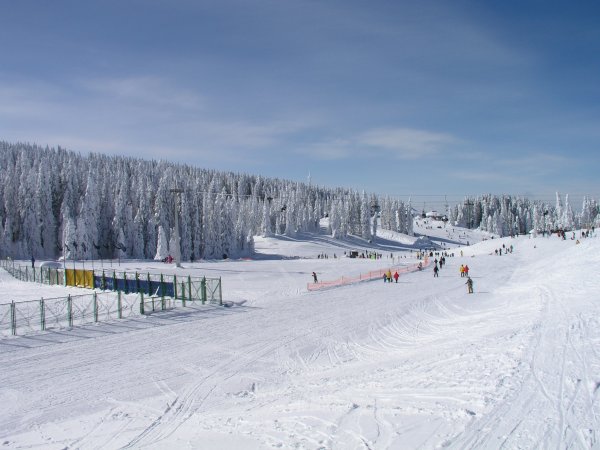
x,y
90,206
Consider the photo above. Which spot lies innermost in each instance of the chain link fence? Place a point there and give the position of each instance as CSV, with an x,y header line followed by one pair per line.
x,y
122,295
25,317
184,288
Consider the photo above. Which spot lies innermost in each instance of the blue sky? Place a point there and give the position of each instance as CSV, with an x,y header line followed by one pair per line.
x,y
395,97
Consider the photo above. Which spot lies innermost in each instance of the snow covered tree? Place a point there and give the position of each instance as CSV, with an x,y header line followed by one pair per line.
x,y
87,221
559,213
45,213
162,246
568,219
365,217
69,238
265,226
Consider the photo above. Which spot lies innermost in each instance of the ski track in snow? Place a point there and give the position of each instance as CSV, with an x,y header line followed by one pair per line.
x,y
418,364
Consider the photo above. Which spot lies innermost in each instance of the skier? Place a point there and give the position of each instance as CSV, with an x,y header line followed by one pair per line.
x,y
389,276
314,277
469,284
466,270
435,271
462,270
396,276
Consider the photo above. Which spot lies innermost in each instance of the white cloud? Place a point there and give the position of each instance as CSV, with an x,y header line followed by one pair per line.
x,y
145,91
405,143
336,149
397,143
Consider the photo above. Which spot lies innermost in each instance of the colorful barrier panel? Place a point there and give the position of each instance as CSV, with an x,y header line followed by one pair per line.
x,y
185,288
80,278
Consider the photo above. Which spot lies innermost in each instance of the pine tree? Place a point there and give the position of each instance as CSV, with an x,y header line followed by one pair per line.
x,y
162,246
87,221
365,217
568,215
45,213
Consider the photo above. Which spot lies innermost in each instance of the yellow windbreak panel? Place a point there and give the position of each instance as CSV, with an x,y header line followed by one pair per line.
x,y
70,274
81,278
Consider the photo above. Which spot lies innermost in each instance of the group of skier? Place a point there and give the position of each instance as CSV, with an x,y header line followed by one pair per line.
x,y
387,277
436,269
504,248
438,264
464,272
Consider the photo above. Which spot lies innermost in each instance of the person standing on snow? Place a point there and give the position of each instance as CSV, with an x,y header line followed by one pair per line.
x,y
462,271
469,284
389,275
466,270
396,276
314,277
435,271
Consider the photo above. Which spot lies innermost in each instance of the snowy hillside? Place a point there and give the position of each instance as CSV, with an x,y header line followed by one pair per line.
x,y
415,364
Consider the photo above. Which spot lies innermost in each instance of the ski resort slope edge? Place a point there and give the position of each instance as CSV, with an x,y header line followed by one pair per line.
x,y
415,364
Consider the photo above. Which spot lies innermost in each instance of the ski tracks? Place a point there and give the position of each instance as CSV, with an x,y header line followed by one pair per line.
x,y
554,396
192,398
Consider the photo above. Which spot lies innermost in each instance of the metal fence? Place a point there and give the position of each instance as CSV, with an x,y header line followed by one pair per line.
x,y
184,288
123,295
65,312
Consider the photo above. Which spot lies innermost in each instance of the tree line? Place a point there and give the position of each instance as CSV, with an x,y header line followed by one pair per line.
x,y
57,202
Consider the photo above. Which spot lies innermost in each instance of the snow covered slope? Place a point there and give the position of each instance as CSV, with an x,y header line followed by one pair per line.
x,y
414,364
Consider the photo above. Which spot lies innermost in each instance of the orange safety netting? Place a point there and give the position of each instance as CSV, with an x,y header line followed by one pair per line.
x,y
373,275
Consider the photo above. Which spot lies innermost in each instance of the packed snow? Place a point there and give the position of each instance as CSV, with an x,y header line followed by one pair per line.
x,y
415,364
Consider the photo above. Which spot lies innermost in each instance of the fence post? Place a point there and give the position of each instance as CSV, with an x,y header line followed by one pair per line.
x,y
137,282
175,286
70,310
13,318
183,292
125,287
142,304
220,293
149,284
162,286
103,281
203,290
190,288
95,307
42,315
119,306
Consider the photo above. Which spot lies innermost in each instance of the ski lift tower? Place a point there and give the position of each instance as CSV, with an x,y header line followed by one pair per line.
x,y
177,250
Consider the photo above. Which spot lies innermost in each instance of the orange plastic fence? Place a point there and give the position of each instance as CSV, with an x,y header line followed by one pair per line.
x,y
373,275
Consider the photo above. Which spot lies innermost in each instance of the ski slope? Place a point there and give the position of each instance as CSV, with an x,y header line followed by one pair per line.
x,y
414,364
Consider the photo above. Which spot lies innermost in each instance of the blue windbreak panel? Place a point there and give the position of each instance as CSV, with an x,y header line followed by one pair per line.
x,y
132,286
143,286
121,286
154,288
109,283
